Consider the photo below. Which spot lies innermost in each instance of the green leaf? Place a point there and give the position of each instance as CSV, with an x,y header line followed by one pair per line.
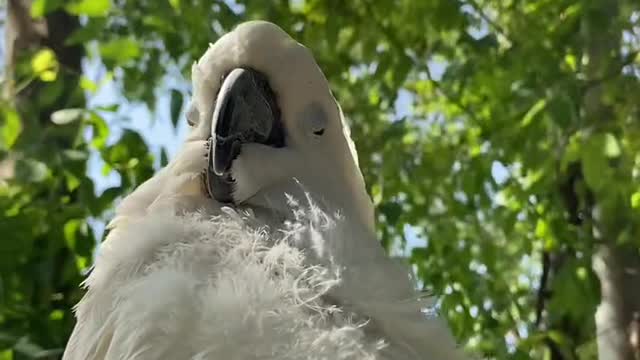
x,y
91,8
595,163
6,354
91,30
120,51
72,181
533,112
10,129
108,108
45,65
70,230
88,85
176,106
571,61
175,4
376,193
66,116
40,8
410,137
100,131
542,228
611,146
635,200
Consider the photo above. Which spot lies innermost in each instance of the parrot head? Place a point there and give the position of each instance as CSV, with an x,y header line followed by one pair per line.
x,y
273,124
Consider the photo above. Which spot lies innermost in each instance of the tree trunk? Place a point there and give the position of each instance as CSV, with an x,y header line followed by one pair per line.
x,y
617,268
616,265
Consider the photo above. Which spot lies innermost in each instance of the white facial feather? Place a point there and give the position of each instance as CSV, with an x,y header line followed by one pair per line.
x,y
325,164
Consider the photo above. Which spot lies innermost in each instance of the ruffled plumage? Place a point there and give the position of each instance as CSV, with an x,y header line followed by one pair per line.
x,y
229,286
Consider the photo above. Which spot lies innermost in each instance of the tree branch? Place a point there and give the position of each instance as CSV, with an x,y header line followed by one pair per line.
x,y
389,35
478,10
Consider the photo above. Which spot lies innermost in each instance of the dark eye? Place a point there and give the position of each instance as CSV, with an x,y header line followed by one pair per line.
x,y
319,132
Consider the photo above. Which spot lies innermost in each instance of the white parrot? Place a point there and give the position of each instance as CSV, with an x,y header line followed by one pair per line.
x,y
257,241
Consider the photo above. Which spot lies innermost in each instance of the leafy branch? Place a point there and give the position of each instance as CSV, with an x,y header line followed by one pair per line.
x,y
400,50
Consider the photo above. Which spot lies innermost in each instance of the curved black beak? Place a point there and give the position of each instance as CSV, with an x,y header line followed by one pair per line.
x,y
246,111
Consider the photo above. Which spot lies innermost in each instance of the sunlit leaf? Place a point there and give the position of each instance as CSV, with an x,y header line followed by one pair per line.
x,y
611,146
45,65
100,131
571,61
120,50
70,229
410,138
533,112
39,8
10,128
635,200
175,4
72,181
92,8
88,85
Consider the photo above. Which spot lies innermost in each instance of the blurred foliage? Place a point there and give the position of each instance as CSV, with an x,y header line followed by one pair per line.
x,y
471,122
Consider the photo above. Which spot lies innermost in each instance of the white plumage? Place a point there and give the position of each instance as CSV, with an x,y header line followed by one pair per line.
x,y
291,270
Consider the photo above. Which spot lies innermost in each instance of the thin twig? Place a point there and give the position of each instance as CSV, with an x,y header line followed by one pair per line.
x,y
478,10
542,295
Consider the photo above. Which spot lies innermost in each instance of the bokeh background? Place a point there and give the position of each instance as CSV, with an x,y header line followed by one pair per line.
x,y
499,141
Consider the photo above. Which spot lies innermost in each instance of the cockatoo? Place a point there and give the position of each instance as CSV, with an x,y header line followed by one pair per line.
x,y
257,240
